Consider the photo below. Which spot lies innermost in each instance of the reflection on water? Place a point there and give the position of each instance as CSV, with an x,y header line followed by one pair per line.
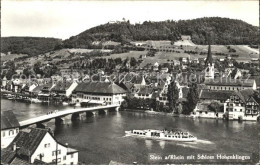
x,y
101,138
162,144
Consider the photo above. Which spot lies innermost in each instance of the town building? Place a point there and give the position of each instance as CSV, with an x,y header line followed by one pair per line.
x,y
231,84
98,93
65,88
241,105
9,128
144,93
207,97
35,145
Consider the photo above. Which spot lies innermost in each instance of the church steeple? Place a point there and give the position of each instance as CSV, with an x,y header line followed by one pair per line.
x,y
209,59
209,71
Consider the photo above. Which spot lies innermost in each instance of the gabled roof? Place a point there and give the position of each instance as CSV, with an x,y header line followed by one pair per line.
x,y
126,86
245,94
7,156
146,90
62,86
231,82
99,87
8,120
28,141
215,95
19,161
41,87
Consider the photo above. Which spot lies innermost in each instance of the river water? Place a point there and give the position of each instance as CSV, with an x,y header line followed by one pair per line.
x,y
101,138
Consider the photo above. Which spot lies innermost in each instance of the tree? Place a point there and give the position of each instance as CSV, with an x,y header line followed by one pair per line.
x,y
193,97
133,61
214,106
173,95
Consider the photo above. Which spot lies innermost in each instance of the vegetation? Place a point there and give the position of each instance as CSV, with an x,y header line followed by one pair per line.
x,y
28,45
173,95
193,98
135,103
226,31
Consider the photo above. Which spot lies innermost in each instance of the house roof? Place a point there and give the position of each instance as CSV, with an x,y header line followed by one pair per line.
x,y
215,95
7,156
99,87
8,120
62,86
41,87
231,82
19,161
28,141
146,90
245,94
11,157
126,86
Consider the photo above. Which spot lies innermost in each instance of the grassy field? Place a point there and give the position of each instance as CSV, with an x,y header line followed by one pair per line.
x,y
135,54
245,53
12,56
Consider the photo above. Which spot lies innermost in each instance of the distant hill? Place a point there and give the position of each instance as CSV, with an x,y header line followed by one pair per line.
x,y
225,31
28,45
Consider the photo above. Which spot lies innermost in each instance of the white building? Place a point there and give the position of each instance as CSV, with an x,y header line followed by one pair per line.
x,y
64,88
144,93
241,105
99,93
35,144
229,84
9,128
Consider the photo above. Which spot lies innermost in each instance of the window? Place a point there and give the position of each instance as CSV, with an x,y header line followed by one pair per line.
x,y
59,160
54,160
17,130
11,132
71,163
72,155
53,153
3,133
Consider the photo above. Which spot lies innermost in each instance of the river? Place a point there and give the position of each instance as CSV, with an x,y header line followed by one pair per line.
x,y
101,138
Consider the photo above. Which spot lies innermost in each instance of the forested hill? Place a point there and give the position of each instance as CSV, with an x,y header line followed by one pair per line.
x,y
225,31
28,45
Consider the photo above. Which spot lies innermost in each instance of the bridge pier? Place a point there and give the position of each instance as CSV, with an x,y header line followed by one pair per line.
x,y
75,117
103,111
89,114
41,125
59,121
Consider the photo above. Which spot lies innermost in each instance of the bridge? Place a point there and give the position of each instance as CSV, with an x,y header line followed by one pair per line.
x,y
59,114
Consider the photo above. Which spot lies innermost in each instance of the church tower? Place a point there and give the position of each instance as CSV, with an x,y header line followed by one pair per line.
x,y
209,71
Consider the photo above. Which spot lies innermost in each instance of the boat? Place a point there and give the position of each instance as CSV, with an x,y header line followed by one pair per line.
x,y
77,104
33,100
72,104
163,135
65,103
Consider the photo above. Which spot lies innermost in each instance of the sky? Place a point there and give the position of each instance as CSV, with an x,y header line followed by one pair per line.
x,y
63,19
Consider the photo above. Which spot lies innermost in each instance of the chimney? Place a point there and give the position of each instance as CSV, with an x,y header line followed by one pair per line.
x,y
14,146
66,144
